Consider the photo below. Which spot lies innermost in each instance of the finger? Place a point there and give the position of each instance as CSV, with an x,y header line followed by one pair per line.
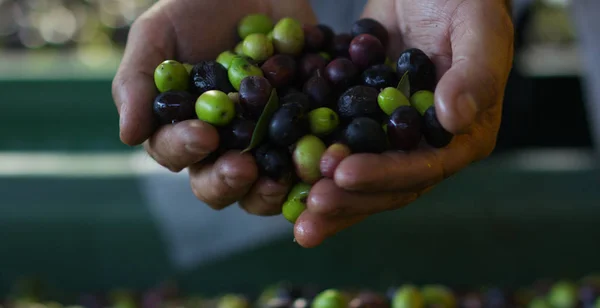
x,y
327,199
183,144
312,229
150,41
224,182
412,171
481,37
265,198
332,158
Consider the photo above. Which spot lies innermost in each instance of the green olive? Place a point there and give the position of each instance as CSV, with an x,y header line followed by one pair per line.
x,y
330,298
389,99
288,36
307,158
241,68
267,295
233,301
438,296
188,67
563,294
539,302
234,96
171,75
300,192
239,49
422,100
254,23
407,296
225,58
292,209
323,121
215,107
257,46
52,305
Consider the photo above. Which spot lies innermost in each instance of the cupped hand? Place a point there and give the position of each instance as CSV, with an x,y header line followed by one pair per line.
x,y
471,44
191,31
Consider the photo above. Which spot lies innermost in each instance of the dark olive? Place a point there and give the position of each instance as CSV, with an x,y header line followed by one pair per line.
x,y
404,128
379,76
340,44
360,101
255,92
421,70
288,124
373,27
209,75
174,106
274,162
365,135
342,73
366,50
280,70
434,133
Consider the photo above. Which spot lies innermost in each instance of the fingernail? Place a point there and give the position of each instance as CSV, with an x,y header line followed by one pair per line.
x,y
332,158
467,108
271,191
192,144
306,234
194,148
236,182
273,199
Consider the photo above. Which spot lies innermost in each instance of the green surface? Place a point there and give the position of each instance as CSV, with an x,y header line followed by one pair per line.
x,y
78,234
485,225
506,221
67,115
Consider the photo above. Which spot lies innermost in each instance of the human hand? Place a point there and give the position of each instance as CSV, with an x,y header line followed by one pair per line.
x,y
471,44
191,31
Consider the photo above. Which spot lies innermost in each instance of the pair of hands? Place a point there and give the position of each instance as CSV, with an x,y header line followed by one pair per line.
x,y
470,41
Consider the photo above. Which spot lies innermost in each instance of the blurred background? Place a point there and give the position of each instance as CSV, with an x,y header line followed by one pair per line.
x,y
81,212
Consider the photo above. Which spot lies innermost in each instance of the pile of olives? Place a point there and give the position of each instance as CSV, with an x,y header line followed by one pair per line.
x,y
289,90
541,294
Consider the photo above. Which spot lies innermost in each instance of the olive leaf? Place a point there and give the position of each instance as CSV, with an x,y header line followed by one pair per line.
x,y
263,121
404,85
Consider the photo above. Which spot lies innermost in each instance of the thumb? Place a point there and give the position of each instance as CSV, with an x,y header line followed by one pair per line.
x,y
481,37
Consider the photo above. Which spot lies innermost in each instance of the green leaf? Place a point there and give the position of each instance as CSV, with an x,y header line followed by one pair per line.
x,y
263,122
404,85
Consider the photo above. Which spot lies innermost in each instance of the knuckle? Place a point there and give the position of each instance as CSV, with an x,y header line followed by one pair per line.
x,y
174,169
161,160
170,151
201,195
483,143
402,200
327,208
197,192
487,149
260,208
169,165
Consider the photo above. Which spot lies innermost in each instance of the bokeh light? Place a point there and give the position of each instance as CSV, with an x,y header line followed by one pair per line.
x,y
66,24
